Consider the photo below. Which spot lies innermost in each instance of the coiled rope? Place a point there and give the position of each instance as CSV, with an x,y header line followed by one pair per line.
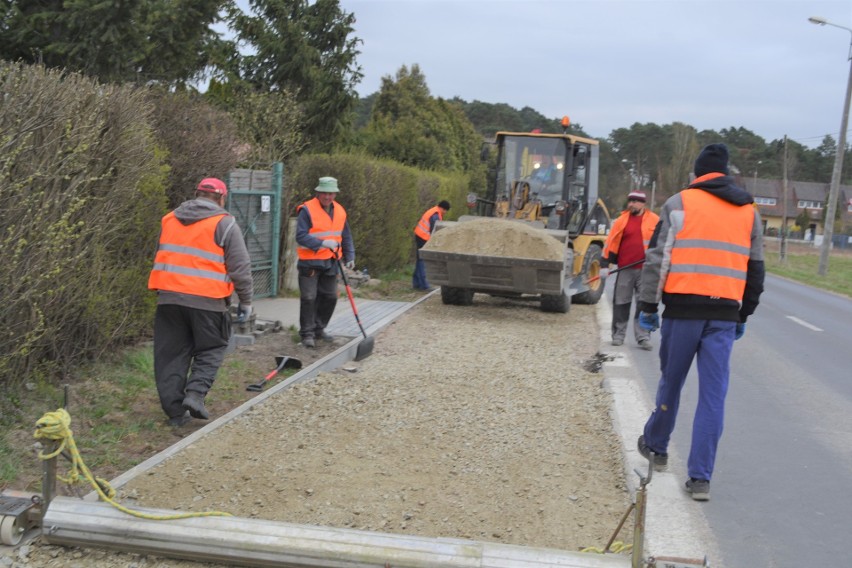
x,y
56,426
617,547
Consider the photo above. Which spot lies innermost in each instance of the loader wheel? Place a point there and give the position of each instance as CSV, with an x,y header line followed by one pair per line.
x,y
456,296
558,303
591,268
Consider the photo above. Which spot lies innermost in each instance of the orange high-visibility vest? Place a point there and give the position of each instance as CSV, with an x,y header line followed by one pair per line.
x,y
189,261
422,227
710,253
613,241
323,227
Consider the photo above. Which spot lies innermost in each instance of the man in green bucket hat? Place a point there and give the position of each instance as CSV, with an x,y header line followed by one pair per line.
x,y
322,236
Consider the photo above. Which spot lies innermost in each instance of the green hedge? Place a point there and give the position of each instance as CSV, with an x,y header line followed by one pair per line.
x,y
81,181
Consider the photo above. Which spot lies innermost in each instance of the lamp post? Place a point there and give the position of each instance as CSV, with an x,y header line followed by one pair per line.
x,y
834,189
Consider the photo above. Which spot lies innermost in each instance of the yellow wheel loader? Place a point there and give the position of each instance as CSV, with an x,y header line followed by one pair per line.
x,y
547,182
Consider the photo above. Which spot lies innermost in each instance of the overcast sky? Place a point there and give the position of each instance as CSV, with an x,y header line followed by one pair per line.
x,y
607,64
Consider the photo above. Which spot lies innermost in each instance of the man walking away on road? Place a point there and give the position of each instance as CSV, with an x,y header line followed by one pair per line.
x,y
625,246
706,265
322,235
201,260
422,234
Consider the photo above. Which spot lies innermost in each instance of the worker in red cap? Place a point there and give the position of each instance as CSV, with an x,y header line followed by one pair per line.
x,y
625,246
201,261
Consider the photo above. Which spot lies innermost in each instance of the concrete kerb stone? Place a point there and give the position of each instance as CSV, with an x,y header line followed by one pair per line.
x,y
675,526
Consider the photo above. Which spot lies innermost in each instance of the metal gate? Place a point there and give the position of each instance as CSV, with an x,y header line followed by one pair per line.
x,y
254,199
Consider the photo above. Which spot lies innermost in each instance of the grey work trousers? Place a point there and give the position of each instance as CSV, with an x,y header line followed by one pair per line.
x,y
189,347
626,288
317,299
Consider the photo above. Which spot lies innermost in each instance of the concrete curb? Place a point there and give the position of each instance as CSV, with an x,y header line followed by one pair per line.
x,y
675,525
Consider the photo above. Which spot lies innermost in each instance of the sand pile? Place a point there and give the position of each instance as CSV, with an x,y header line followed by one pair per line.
x,y
496,237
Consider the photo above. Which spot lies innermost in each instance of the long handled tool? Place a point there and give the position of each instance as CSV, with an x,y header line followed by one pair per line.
x,y
365,348
619,269
283,363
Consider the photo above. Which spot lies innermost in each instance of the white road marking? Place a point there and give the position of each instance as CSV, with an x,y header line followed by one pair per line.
x,y
804,323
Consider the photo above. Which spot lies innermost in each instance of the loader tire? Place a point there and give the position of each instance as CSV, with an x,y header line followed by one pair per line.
x,y
591,267
557,303
456,296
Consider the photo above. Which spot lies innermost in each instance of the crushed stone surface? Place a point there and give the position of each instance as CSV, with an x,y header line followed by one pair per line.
x,y
475,422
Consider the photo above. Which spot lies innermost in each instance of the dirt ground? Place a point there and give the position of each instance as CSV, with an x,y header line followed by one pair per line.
x,y
479,422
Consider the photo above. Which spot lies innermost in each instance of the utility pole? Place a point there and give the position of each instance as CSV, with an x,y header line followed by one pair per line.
x,y
783,253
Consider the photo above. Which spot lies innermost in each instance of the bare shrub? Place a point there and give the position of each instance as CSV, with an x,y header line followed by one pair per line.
x,y
81,182
201,140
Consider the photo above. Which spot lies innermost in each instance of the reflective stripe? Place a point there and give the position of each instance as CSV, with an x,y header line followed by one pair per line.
x,y
326,234
186,271
712,245
708,269
192,251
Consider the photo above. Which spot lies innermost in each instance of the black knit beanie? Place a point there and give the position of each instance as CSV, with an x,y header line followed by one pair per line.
x,y
713,158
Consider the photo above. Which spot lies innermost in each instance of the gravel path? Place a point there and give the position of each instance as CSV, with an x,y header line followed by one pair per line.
x,y
474,422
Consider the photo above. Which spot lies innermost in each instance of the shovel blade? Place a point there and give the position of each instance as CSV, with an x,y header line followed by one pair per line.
x,y
365,349
289,362
281,362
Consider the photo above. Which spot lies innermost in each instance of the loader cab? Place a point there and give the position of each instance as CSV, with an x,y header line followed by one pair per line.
x,y
551,179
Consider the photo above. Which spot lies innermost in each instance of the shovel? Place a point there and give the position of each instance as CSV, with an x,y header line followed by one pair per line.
x,y
619,269
283,363
365,348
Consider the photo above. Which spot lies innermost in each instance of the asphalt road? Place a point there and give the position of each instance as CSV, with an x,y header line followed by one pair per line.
x,y
781,494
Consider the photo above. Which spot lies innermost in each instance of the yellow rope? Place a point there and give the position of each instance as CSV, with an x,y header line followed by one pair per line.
x,y
57,426
617,547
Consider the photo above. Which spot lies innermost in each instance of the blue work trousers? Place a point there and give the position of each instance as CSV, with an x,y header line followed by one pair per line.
x,y
418,279
682,340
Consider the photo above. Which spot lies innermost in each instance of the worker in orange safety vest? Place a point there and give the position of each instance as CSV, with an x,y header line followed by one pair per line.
x,y
323,238
705,263
422,234
201,260
625,246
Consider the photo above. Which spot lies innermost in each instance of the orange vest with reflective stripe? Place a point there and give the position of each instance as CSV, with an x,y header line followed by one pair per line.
x,y
710,253
422,228
189,261
323,227
613,241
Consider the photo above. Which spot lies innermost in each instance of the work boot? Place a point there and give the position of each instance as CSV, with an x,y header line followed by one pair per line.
x,y
325,336
194,403
309,342
178,421
617,341
646,344
699,488
661,461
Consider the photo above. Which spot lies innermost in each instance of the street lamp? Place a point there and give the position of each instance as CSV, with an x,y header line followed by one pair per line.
x,y
834,189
